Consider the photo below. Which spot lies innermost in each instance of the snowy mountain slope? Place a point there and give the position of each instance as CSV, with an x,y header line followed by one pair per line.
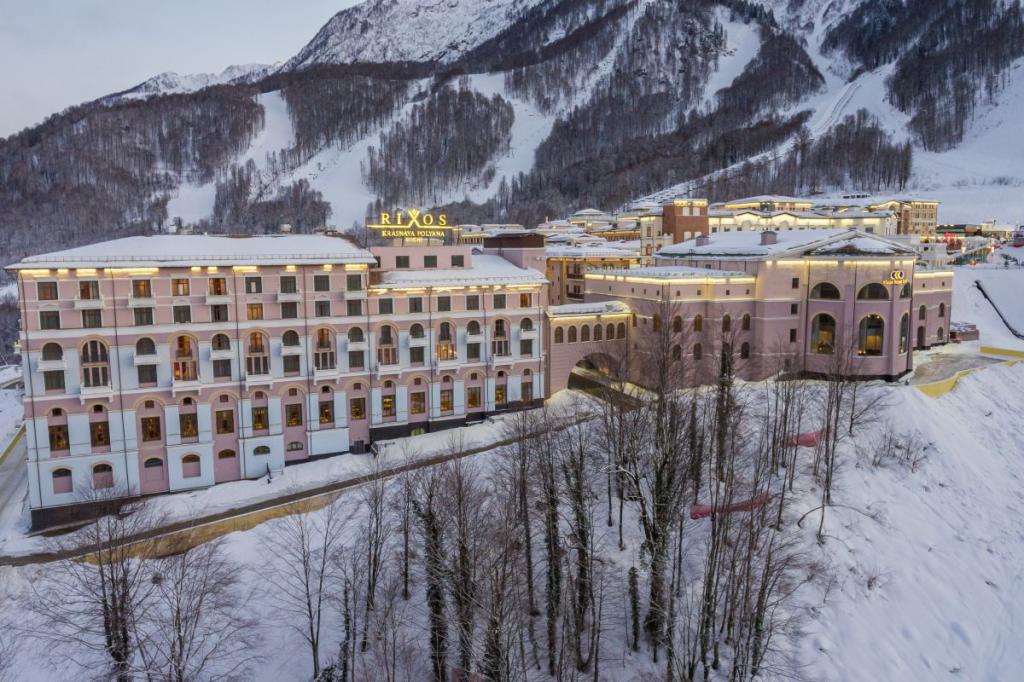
x,y
171,83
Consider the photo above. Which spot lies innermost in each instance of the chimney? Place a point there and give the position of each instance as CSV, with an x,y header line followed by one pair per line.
x,y
286,228
769,237
703,240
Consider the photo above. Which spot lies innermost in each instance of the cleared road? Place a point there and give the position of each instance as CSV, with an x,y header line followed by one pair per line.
x,y
12,486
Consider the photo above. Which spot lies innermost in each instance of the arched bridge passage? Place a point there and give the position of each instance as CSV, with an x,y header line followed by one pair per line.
x,y
571,351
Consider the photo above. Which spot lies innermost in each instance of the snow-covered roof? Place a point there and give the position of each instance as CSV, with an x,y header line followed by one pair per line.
x,y
767,198
181,250
594,250
747,245
592,308
588,212
484,269
670,272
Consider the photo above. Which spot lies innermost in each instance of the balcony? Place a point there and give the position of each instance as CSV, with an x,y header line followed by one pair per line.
x,y
258,380
93,392
388,370
417,341
291,350
475,338
89,303
146,359
218,299
326,374
51,365
185,385
222,354
289,296
527,333
141,302
357,345
359,294
500,360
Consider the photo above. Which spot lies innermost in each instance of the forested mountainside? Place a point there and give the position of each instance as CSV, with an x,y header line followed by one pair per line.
x,y
518,110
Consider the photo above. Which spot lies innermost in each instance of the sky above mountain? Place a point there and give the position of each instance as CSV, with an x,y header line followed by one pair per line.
x,y
56,53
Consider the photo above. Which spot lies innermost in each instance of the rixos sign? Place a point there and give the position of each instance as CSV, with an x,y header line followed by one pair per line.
x,y
895,277
412,223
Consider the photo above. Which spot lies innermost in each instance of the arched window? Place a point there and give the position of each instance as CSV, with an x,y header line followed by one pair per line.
x,y
942,310
191,466
621,330
445,342
922,312
657,322
677,324
726,324
102,477
290,338
585,333
940,334
698,352
609,332
222,342
95,364
323,354
261,450
226,454
826,291
598,332
677,353
745,351
559,335
904,332
61,481
186,364
572,334
500,342
53,351
387,346
871,336
873,292
416,331
355,335
473,327
257,358
526,325
907,290
145,347
823,334
698,323
745,323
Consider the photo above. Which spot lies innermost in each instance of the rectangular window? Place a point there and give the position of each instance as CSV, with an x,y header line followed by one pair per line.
x,y
796,282
53,380
499,301
472,351
792,336
289,310
99,434
46,291
293,414
225,421
354,282
401,262
322,308
416,355
458,261
49,319
326,412
143,317
289,285
219,313
526,347
150,429
182,314
385,306
189,425
418,402
354,308
500,395
387,405
260,419
254,285
221,369
141,288
254,311
218,286
528,392
430,261
355,359
415,304
147,375
291,364
321,282
91,319
524,300
473,302
794,308
59,437
89,290
444,303
473,396
358,408
180,287
447,400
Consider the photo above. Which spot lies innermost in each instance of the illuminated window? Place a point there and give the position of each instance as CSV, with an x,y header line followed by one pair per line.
x,y
326,412
357,408
871,336
387,404
59,437
293,414
141,288
225,420
473,397
447,399
189,425
254,311
260,419
257,358
418,402
218,286
180,287
151,429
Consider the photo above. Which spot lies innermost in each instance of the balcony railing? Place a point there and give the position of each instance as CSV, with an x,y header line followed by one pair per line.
x,y
89,303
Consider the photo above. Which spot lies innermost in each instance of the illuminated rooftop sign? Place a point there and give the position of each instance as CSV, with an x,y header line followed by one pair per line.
x,y
412,223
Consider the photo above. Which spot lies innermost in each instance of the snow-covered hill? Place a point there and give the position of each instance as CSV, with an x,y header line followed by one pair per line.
x,y
171,83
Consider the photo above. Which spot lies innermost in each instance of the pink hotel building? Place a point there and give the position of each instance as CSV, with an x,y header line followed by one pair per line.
x,y
172,362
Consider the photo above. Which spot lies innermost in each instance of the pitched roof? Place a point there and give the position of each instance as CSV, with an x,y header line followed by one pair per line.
x,y
746,245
